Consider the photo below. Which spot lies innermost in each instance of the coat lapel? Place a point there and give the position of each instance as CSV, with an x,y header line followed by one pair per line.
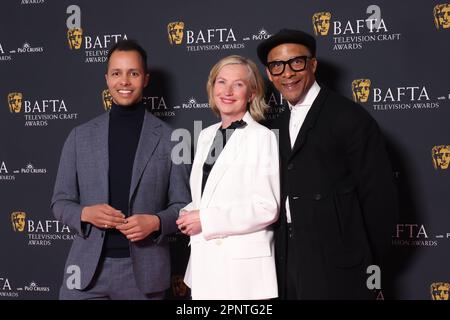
x,y
197,169
309,122
149,139
284,139
224,161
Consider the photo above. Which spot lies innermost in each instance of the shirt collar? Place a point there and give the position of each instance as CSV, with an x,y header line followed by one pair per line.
x,y
236,125
309,98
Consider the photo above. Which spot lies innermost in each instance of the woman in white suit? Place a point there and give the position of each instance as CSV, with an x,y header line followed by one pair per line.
x,y
235,191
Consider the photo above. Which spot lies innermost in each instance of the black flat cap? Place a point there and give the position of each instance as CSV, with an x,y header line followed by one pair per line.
x,y
285,36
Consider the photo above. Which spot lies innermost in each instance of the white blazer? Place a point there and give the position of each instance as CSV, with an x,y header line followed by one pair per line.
x,y
233,256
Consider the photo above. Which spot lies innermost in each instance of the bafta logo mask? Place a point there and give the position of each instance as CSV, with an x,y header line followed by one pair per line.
x,y
175,31
441,157
18,221
75,38
107,99
15,102
439,290
321,23
361,90
442,16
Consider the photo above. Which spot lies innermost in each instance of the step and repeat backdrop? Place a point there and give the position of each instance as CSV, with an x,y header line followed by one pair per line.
x,y
392,57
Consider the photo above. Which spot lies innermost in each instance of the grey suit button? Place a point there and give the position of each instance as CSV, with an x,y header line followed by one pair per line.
x,y
290,166
295,198
317,196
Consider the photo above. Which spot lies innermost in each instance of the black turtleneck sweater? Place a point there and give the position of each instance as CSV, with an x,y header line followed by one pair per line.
x,y
125,124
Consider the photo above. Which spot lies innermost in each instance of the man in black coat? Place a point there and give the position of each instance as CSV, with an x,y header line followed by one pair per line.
x,y
338,193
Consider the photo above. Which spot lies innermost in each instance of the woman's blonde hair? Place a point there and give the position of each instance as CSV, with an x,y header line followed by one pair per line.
x,y
258,106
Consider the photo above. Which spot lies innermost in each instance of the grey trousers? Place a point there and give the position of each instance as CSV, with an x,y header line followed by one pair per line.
x,y
114,280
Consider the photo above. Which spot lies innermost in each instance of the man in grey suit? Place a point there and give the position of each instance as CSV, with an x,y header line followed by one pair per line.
x,y
119,190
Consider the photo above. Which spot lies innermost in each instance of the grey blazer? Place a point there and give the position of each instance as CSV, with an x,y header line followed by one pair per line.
x,y
158,186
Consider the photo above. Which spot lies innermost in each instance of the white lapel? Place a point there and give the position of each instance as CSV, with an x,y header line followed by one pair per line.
x,y
227,158
204,144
